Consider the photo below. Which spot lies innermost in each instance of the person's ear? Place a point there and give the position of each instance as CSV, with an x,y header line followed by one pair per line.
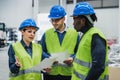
x,y
64,18
83,20
22,32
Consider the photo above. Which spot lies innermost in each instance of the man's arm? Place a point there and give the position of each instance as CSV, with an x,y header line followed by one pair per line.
x,y
98,53
12,66
43,44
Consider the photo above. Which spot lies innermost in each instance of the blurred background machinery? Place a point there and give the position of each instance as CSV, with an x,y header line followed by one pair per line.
x,y
2,35
12,35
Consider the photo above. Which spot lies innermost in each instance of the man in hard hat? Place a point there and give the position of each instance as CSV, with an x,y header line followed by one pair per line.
x,y
59,39
24,54
91,61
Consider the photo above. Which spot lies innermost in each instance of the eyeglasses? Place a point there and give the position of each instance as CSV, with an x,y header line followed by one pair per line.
x,y
55,20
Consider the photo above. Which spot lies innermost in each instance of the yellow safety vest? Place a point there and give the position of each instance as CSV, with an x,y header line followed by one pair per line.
x,y
83,60
28,70
53,46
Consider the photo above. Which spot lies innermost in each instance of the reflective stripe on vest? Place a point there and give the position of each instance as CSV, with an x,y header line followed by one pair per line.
x,y
82,77
21,72
86,64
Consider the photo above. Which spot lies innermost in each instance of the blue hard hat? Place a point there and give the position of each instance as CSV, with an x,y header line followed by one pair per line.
x,y
83,8
28,23
56,12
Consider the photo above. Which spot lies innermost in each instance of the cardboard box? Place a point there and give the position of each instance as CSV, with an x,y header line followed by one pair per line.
x,y
114,73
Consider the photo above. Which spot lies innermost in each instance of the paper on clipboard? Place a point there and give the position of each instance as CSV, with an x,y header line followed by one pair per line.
x,y
61,56
46,63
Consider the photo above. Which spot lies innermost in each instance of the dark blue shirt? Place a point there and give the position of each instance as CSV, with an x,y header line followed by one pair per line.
x,y
98,53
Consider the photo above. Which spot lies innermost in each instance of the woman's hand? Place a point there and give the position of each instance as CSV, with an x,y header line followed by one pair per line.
x,y
18,64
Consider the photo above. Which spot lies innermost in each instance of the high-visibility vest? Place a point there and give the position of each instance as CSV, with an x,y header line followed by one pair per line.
x,y
83,61
28,70
53,46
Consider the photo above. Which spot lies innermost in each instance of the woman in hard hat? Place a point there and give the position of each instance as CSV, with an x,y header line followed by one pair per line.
x,y
24,55
91,61
59,39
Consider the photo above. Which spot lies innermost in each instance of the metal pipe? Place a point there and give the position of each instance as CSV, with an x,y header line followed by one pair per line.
x,y
60,2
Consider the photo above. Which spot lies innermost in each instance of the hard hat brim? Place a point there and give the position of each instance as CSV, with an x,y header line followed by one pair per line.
x,y
55,17
37,28
74,15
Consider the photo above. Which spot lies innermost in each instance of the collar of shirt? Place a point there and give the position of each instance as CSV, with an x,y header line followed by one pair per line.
x,y
25,46
65,29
